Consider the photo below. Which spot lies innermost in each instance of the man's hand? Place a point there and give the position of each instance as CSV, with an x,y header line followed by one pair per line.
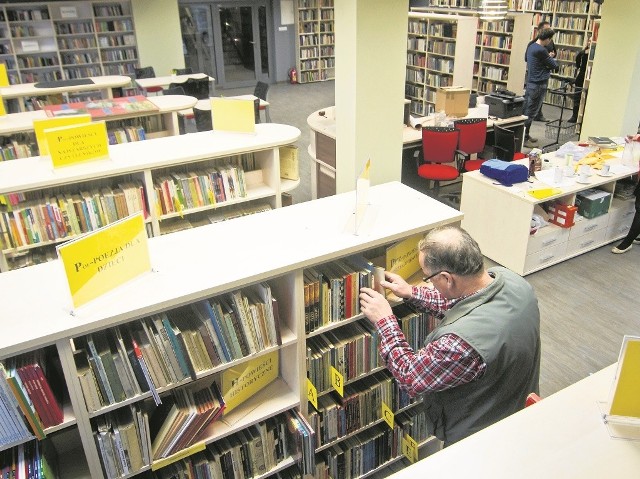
x,y
397,285
373,305
552,54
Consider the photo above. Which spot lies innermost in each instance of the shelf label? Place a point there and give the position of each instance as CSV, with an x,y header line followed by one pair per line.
x,y
312,394
104,259
337,381
30,46
3,112
402,258
387,415
40,125
70,145
241,382
233,114
4,78
409,448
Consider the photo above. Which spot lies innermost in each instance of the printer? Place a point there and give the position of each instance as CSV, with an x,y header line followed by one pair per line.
x,y
504,104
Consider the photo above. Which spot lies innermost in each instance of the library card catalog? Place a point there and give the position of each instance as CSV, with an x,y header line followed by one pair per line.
x,y
233,114
40,125
239,383
70,145
101,261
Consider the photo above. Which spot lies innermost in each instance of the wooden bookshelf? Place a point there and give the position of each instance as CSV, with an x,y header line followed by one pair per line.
x,y
315,40
67,40
206,263
595,28
141,166
440,52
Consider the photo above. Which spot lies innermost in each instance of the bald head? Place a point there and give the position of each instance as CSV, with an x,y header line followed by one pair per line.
x,y
452,249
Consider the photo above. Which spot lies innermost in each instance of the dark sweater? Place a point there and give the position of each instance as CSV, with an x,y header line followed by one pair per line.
x,y
539,64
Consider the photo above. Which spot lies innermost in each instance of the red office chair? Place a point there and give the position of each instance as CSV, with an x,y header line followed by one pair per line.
x,y
439,148
504,144
473,136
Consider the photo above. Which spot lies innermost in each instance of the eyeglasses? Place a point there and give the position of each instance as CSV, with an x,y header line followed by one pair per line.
x,y
427,278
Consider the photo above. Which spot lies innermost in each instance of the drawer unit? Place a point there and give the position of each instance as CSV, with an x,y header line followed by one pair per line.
x,y
618,229
584,226
621,210
547,236
585,242
545,257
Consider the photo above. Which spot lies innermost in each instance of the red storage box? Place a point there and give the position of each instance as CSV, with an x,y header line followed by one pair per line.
x,y
562,215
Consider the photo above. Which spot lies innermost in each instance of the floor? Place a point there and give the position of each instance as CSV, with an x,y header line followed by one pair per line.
x,y
587,303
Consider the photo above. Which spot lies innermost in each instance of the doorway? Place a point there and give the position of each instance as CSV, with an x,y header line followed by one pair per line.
x,y
227,40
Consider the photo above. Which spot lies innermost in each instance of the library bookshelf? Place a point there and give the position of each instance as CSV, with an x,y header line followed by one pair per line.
x,y
315,40
51,41
150,174
273,248
440,52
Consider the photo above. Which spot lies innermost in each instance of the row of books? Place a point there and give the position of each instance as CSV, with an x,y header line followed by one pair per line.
x,y
28,404
29,460
352,351
123,441
361,406
251,452
126,361
364,452
56,217
332,290
14,150
172,225
193,189
126,135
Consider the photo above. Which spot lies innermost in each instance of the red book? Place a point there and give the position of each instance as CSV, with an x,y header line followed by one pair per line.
x,y
28,381
54,405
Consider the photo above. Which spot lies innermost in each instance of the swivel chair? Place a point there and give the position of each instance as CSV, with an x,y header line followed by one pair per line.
x,y
504,144
439,146
147,72
197,87
260,91
473,136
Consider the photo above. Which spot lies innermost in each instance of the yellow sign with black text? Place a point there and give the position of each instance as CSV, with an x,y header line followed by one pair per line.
x,y
101,261
4,78
387,415
70,145
312,394
233,114
410,448
402,257
337,381
40,125
241,382
3,112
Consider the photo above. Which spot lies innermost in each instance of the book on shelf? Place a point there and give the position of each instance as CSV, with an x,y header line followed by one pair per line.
x,y
28,459
14,414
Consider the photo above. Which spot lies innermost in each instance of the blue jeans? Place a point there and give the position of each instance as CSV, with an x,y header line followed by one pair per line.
x,y
533,99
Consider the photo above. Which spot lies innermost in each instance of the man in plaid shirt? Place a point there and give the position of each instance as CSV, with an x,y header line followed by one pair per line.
x,y
483,359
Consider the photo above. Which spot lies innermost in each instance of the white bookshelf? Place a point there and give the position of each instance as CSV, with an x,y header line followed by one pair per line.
x,y
204,263
147,160
440,52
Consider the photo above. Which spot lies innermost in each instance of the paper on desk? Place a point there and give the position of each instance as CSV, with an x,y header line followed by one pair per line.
x,y
547,177
420,121
618,169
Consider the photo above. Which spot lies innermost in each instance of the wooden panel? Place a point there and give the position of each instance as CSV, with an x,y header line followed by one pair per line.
x,y
326,149
326,181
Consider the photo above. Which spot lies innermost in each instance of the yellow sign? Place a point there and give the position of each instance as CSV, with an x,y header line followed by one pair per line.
x,y
337,381
4,78
69,145
387,415
625,400
102,260
3,112
178,456
402,258
312,394
241,382
40,125
233,114
409,448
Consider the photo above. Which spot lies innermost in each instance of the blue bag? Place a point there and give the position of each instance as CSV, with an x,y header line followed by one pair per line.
x,y
504,172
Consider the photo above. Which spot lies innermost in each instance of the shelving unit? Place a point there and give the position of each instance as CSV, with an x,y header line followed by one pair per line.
x,y
206,263
67,40
518,250
315,45
440,52
139,168
587,75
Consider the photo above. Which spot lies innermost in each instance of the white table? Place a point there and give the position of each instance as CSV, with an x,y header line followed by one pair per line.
x,y
206,104
165,81
104,84
562,436
167,105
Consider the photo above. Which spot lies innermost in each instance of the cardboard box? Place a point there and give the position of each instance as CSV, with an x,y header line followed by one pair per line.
x,y
562,215
593,202
454,100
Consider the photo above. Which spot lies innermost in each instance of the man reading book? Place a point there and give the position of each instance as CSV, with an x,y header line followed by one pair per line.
x,y
483,358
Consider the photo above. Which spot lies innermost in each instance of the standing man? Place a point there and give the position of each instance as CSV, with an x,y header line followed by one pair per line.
x,y
483,359
582,58
551,48
539,66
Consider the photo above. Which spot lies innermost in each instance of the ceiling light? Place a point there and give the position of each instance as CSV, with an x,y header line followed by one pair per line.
x,y
492,10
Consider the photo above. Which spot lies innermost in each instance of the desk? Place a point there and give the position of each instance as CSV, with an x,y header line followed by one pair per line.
x,y
168,106
322,149
165,81
562,436
499,219
104,84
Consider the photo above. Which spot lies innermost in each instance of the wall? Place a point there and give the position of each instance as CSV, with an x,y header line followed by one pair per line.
x,y
284,45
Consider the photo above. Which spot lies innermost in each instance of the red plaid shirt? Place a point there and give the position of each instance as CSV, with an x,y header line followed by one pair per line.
x,y
442,364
